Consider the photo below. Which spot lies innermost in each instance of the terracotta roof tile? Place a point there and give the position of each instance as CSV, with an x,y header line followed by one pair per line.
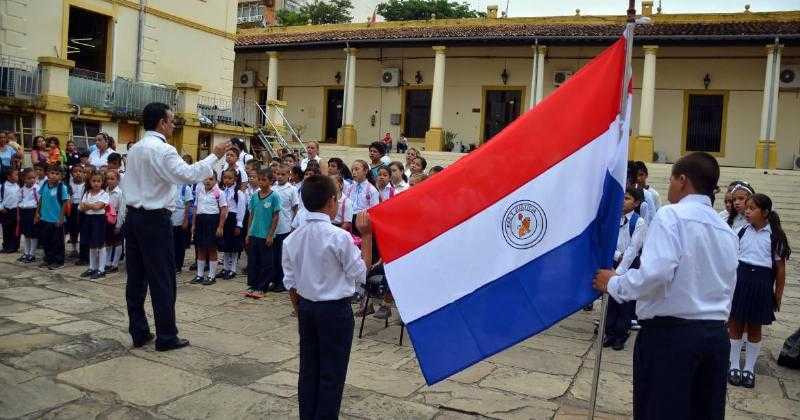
x,y
509,33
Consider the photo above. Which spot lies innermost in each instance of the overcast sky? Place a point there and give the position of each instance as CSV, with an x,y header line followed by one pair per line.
x,y
517,8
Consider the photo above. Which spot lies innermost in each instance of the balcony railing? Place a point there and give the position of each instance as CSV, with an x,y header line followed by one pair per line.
x,y
243,19
122,97
19,78
218,109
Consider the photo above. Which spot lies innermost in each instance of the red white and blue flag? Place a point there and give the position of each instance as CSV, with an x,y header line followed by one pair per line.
x,y
504,243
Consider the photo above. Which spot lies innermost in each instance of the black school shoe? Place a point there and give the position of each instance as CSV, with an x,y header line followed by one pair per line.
x,y
735,377
196,280
748,379
97,275
88,273
209,281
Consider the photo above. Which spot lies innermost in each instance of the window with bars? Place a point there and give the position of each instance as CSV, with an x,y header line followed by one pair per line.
x,y
705,120
250,12
21,125
84,133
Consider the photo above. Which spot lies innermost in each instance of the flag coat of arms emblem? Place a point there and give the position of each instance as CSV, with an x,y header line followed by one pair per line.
x,y
504,243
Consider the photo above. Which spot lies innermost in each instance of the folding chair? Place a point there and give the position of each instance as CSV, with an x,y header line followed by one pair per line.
x,y
376,287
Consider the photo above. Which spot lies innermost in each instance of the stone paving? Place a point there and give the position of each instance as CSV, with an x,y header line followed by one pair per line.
x,y
65,354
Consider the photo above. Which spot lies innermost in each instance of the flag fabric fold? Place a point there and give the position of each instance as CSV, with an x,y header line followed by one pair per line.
x,y
503,243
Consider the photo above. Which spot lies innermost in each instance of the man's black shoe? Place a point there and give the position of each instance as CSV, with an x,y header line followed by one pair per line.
x,y
177,344
143,341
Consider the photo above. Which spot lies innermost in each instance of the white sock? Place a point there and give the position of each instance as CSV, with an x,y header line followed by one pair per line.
x,y
94,255
32,249
117,255
201,267
226,261
751,355
234,261
25,245
735,354
212,269
101,259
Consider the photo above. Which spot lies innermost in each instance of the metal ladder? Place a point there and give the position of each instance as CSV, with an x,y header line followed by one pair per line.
x,y
271,136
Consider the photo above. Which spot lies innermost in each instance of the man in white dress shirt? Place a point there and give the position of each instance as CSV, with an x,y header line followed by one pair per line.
x,y
154,168
683,290
322,268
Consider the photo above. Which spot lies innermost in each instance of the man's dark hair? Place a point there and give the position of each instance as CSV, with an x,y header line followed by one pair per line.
x,y
379,146
115,157
702,170
316,192
153,113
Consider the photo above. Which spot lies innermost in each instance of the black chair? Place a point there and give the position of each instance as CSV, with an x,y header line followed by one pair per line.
x,y
376,287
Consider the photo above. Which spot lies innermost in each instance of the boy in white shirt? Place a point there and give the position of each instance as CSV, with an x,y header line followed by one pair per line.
x,y
289,197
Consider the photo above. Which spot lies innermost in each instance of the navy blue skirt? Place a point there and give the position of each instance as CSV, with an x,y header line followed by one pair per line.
x,y
230,242
205,231
93,230
26,225
753,299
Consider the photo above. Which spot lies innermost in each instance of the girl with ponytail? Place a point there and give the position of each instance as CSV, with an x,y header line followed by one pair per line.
x,y
761,276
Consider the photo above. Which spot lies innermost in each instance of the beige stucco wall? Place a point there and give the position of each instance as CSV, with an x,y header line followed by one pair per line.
x,y
739,71
173,51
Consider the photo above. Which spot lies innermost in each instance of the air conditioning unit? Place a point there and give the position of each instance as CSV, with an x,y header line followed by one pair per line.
x,y
790,77
561,76
245,79
796,162
390,78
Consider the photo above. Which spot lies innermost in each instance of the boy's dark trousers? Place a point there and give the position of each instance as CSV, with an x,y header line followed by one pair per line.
x,y
402,147
10,238
51,236
277,264
179,242
618,320
259,264
680,369
326,335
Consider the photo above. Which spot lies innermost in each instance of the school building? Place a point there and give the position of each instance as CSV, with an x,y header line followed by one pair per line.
x,y
72,68
728,83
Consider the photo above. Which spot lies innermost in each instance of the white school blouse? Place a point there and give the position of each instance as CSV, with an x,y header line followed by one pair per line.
x,y
344,211
628,247
183,195
755,247
289,198
77,191
688,265
364,196
11,196
208,202
239,207
29,197
90,198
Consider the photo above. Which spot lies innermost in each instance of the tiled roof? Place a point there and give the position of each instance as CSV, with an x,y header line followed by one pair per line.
x,y
743,30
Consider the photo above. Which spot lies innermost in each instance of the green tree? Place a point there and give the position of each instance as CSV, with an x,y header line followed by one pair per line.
x,y
318,12
425,9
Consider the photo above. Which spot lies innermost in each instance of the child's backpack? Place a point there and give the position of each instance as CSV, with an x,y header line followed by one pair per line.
x,y
61,197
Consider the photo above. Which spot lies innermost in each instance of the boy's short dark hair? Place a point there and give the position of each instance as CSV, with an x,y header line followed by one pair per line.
x,y
83,154
316,192
115,157
153,113
267,172
255,162
641,167
379,146
702,170
436,169
636,193
52,168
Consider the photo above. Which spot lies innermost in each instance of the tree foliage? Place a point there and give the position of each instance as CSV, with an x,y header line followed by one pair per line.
x,y
425,9
317,13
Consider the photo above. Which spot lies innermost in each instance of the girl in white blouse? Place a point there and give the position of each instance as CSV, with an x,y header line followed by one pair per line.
x,y
93,229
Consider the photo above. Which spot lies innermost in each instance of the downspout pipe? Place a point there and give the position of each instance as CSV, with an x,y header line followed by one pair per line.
x,y
140,40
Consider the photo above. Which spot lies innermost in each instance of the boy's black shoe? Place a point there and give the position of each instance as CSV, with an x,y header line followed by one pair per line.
x,y
279,289
148,338
196,280
607,342
87,273
177,344
618,345
271,287
55,266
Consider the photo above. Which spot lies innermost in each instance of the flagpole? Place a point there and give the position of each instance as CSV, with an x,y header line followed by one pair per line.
x,y
598,345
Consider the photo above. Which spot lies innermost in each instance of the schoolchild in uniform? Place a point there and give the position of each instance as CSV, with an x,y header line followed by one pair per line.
x,y
232,161
9,202
322,269
83,247
289,207
651,196
53,198
295,175
723,214
363,194
399,180
300,216
232,241
761,276
28,203
116,206
383,183
632,230
211,211
344,208
76,186
180,223
265,210
41,174
93,205
741,192
683,291
336,166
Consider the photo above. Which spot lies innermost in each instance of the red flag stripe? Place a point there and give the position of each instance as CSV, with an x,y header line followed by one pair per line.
x,y
577,113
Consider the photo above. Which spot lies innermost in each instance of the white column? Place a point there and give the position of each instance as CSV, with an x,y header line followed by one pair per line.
x,y
437,96
542,52
767,102
272,84
350,86
776,71
648,91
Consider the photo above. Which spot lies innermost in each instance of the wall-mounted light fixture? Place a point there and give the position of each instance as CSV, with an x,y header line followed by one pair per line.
x,y
338,77
418,77
707,80
504,76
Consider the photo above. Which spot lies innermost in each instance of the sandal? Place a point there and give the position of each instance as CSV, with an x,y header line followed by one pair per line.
x,y
735,377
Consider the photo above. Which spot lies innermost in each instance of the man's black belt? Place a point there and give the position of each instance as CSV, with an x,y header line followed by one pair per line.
x,y
154,212
671,321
